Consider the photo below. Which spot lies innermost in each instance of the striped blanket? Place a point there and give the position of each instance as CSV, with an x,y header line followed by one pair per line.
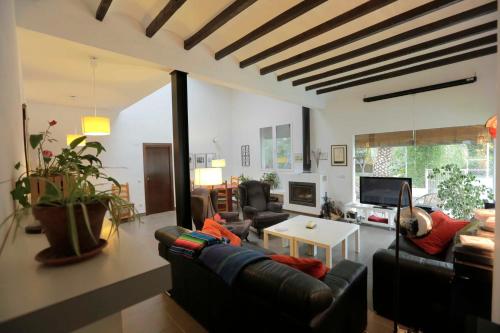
x,y
191,244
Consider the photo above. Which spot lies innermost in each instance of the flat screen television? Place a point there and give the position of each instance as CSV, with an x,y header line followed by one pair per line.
x,y
382,191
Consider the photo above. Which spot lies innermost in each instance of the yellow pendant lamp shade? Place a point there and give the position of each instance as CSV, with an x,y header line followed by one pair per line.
x,y
72,137
96,125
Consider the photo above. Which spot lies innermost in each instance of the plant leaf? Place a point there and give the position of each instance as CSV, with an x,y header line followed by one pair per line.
x,y
87,221
35,140
17,166
77,141
73,232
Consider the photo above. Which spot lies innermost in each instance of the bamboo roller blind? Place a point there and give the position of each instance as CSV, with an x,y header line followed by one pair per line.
x,y
435,136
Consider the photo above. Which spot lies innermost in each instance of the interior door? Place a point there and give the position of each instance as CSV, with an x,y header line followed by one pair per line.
x,y
158,177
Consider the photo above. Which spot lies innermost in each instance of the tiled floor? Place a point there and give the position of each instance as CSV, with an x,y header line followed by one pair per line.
x,y
162,314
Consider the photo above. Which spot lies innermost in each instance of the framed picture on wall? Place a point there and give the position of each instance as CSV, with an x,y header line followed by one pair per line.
x,y
339,155
245,155
200,161
210,157
191,162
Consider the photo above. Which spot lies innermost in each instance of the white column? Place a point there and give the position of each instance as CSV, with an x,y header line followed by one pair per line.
x,y
495,311
11,139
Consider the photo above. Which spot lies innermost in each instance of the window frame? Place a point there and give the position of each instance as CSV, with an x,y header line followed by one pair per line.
x,y
275,149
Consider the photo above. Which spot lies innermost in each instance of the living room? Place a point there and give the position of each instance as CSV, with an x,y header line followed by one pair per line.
x,y
268,142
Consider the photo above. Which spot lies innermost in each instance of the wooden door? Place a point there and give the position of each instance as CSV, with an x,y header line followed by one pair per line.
x,y
158,177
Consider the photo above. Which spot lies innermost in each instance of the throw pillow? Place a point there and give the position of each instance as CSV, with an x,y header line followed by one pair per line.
x,y
443,231
313,267
212,226
219,219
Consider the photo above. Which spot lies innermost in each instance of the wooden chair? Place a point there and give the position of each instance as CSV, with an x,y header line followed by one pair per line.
x,y
127,210
235,182
222,198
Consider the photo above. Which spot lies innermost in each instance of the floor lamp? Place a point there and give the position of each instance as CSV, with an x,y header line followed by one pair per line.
x,y
208,177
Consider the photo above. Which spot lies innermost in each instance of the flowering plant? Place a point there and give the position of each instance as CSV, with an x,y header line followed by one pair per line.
x,y
47,165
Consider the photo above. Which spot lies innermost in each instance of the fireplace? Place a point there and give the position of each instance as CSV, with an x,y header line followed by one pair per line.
x,y
301,193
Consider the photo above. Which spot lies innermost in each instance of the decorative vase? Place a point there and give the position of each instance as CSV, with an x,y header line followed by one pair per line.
x,y
55,223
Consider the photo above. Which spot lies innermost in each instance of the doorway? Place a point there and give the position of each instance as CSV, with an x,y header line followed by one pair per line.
x,y
158,177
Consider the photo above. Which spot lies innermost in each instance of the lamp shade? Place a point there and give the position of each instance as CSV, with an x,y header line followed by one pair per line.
x,y
491,125
96,125
219,163
71,137
207,176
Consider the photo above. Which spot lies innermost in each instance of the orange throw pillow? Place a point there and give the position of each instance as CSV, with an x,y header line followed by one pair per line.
x,y
218,218
211,227
313,267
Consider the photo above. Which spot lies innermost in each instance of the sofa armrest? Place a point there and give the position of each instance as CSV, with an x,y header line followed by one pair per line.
x,y
168,235
424,284
275,207
249,212
230,216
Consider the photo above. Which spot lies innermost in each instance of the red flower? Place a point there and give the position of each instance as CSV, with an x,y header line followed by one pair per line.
x,y
47,154
52,122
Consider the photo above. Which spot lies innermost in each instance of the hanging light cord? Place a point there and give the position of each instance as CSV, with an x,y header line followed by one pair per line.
x,y
93,63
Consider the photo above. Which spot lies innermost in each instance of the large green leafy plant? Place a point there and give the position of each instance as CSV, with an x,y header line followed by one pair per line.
x,y
460,193
80,166
271,178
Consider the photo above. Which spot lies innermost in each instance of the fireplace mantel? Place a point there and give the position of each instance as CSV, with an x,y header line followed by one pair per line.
x,y
320,182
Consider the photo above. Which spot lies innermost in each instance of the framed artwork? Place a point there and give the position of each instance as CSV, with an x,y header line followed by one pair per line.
x,y
298,157
191,162
210,157
245,155
200,161
339,155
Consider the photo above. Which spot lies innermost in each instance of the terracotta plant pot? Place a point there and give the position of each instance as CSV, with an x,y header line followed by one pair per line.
x,y
55,223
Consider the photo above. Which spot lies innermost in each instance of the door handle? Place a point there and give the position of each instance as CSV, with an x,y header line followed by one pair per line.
x,y
148,178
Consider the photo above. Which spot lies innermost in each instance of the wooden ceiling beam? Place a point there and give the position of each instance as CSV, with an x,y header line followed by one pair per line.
x,y
278,21
401,52
490,39
163,16
331,24
402,37
102,9
429,65
361,34
226,15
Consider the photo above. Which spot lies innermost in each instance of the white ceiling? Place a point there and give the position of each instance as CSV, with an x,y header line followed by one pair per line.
x,y
55,69
127,20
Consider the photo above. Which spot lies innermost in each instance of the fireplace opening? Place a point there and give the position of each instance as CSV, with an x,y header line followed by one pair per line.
x,y
302,193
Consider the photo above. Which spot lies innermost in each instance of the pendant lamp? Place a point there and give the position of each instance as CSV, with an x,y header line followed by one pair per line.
x,y
94,125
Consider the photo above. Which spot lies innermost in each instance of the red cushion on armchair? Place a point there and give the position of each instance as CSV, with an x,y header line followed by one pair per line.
x,y
313,267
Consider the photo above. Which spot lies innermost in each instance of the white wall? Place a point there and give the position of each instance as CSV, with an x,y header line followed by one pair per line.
x,y
347,115
11,135
250,113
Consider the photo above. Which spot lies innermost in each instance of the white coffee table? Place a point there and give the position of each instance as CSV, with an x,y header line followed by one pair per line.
x,y
327,234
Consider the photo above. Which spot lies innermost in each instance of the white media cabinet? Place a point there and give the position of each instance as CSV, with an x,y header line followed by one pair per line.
x,y
364,211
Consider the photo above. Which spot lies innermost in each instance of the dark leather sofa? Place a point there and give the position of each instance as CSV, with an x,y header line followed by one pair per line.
x,y
426,287
257,205
268,296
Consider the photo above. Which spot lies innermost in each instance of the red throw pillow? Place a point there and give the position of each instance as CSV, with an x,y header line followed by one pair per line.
x,y
444,229
211,226
219,219
313,267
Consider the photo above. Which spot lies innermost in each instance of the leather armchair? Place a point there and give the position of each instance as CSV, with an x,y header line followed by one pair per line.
x,y
257,205
203,206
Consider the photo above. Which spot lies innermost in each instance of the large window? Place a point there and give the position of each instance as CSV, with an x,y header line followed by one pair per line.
x,y
276,153
283,147
415,153
266,148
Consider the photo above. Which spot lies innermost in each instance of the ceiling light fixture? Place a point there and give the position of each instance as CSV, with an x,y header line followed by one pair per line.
x,y
94,125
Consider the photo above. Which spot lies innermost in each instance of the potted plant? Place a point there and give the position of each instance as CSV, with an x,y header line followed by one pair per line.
x,y
71,211
460,193
271,178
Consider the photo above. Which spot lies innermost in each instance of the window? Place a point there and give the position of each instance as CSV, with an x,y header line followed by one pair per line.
x,y
283,144
266,148
415,153
284,147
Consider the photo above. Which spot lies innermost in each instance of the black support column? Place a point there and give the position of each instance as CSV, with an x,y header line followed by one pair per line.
x,y
306,140
181,149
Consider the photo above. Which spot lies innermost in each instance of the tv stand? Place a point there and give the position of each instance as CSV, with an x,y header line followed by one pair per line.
x,y
363,211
